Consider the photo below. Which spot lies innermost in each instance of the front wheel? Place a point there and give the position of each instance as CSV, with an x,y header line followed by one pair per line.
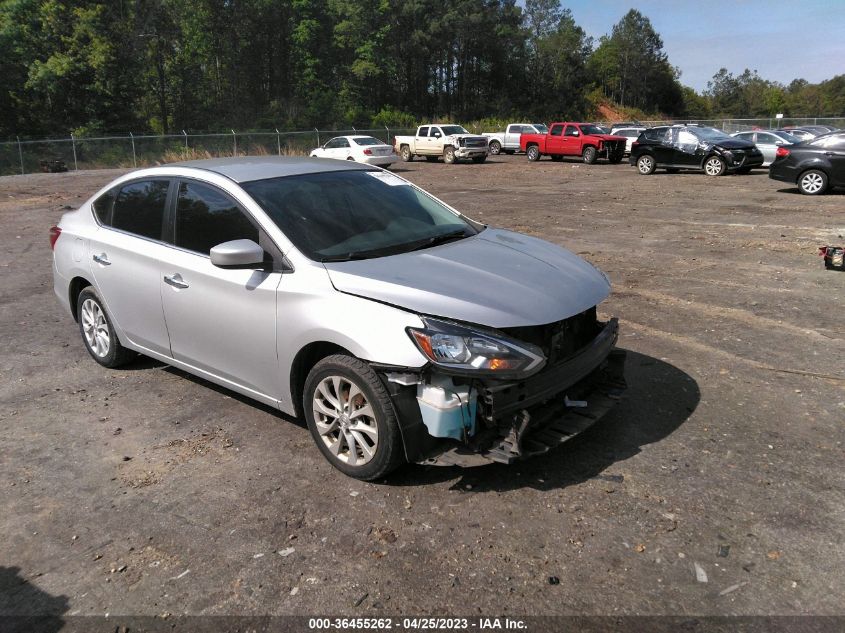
x,y
590,155
97,331
449,155
646,165
533,153
813,182
714,166
495,148
351,418
406,154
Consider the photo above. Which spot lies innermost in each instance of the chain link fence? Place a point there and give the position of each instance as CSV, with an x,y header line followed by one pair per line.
x,y
28,156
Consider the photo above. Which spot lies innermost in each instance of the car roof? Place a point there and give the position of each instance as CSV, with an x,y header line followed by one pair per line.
x,y
249,168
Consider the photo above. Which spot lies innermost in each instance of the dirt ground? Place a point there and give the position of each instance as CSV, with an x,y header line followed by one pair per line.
x,y
716,487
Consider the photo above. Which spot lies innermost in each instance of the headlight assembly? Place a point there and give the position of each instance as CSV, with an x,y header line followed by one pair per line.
x,y
462,350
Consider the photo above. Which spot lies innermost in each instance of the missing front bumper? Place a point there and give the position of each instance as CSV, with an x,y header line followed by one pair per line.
x,y
536,429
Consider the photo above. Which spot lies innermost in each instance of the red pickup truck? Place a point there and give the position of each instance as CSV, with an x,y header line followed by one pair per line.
x,y
573,139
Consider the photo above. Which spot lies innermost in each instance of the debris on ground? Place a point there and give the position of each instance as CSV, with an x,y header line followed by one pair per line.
x,y
700,574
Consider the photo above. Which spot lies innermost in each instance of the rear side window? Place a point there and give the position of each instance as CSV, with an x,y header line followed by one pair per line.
x,y
655,134
556,130
102,207
139,208
206,217
423,131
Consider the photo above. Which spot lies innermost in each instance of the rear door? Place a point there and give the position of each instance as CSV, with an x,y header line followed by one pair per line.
x,y
125,255
220,321
685,145
421,140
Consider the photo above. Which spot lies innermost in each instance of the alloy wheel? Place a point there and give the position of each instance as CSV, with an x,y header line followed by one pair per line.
x,y
95,327
645,164
812,182
345,420
714,166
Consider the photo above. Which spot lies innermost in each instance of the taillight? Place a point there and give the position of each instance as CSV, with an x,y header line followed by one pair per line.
x,y
55,231
782,152
368,152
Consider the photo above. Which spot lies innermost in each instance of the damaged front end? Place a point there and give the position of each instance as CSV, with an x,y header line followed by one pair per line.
x,y
505,395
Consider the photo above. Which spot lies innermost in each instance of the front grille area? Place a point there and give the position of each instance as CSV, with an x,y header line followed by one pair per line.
x,y
561,339
475,142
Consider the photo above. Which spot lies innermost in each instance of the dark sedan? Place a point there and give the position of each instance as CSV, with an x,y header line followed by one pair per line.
x,y
815,166
696,147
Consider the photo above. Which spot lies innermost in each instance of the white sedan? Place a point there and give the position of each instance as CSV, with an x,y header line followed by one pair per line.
x,y
363,149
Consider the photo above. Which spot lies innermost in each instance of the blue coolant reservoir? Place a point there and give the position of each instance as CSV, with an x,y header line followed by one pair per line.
x,y
448,410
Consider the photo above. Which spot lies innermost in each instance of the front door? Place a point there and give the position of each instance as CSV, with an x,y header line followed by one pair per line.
x,y
570,142
220,321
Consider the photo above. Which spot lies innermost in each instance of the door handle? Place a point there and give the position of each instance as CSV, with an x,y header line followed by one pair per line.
x,y
102,259
175,281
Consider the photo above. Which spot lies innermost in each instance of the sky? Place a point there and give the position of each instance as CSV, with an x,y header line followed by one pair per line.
x,y
783,40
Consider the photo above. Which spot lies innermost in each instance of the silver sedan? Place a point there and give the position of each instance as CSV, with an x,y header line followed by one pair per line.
x,y
768,141
398,328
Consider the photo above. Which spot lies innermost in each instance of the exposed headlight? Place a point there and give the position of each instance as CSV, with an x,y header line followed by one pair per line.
x,y
467,351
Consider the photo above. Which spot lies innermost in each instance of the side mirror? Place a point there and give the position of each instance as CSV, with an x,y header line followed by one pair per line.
x,y
237,254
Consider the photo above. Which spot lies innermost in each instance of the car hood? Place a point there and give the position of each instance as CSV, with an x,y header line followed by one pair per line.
x,y
735,143
497,278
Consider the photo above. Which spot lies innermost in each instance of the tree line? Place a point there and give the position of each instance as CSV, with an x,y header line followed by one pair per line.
x,y
165,65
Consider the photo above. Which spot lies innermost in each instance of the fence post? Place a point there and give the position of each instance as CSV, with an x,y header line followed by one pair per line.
x,y
318,136
73,143
235,142
20,152
278,142
185,134
134,160
388,134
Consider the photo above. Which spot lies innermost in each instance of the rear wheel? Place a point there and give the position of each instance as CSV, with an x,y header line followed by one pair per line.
x,y
533,153
646,165
97,331
495,148
449,155
813,182
351,418
714,166
405,153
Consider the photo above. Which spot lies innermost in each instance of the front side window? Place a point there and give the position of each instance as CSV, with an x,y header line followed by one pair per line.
x,y
139,208
206,217
571,130
355,214
334,143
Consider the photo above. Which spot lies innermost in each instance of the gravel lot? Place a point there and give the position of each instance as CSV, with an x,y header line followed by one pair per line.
x,y
716,487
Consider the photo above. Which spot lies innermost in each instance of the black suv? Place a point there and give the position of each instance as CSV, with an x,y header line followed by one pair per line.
x,y
677,147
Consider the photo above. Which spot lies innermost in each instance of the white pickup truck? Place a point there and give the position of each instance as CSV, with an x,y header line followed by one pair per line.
x,y
508,141
452,142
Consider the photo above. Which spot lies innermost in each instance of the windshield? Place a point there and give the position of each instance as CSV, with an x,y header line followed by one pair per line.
x,y
591,129
709,133
355,214
367,140
541,128
448,130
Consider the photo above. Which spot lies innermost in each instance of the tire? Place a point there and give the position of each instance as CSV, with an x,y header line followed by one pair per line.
x,y
431,159
533,153
812,182
366,448
714,166
405,153
646,164
495,148
557,158
590,155
479,159
449,155
97,331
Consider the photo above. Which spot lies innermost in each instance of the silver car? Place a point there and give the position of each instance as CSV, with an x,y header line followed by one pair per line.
x,y
768,142
398,328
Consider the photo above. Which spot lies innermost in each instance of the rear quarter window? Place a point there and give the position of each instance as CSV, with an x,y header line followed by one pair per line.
x,y
102,207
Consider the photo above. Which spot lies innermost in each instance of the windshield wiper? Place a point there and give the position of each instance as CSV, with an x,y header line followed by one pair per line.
x,y
345,257
437,239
